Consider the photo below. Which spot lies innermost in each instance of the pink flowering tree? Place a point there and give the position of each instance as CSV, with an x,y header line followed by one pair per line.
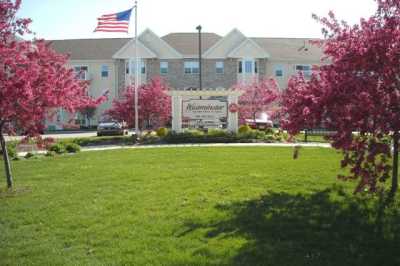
x,y
258,97
154,105
33,80
358,90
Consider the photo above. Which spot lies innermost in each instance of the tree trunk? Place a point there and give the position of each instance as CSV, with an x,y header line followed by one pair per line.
x,y
395,182
6,160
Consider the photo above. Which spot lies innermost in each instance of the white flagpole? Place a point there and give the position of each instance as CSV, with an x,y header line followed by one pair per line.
x,y
137,73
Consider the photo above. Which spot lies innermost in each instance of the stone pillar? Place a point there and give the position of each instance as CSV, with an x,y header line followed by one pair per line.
x,y
177,114
233,118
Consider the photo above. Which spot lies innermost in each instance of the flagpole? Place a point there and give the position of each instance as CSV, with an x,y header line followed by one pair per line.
x,y
137,73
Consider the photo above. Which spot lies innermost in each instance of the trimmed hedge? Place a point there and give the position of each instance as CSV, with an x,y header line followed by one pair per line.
x,y
110,140
221,136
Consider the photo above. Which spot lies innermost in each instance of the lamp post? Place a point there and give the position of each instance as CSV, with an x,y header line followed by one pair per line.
x,y
200,72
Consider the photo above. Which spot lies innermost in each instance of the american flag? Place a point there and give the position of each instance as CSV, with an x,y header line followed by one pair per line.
x,y
117,22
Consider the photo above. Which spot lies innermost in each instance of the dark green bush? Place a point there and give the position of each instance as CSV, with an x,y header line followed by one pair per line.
x,y
72,148
58,148
29,155
50,154
106,140
150,139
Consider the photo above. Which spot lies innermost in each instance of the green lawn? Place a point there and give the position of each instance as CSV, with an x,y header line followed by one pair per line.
x,y
191,206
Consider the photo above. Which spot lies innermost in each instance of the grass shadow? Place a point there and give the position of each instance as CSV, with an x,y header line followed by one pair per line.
x,y
326,227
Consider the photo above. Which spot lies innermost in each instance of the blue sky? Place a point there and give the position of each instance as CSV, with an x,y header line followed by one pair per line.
x,y
66,19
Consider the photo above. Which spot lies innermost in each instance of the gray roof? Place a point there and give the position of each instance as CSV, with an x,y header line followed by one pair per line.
x,y
188,43
89,49
287,49
284,49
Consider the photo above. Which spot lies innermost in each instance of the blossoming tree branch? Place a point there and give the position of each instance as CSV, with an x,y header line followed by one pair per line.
x,y
34,79
356,93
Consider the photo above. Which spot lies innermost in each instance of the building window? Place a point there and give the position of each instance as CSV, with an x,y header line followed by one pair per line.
x,y
248,66
81,72
132,67
191,67
305,69
219,67
278,72
163,67
104,71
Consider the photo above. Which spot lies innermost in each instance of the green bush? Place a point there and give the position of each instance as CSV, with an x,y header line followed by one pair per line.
x,y
217,133
29,155
58,148
269,131
72,148
162,132
244,129
106,140
252,134
11,150
50,154
150,139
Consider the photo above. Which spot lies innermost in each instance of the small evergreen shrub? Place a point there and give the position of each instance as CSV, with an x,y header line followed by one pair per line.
x,y
72,148
58,148
162,132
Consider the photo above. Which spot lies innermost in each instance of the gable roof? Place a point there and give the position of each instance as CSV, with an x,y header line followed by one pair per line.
x,y
248,48
89,49
129,49
187,43
158,46
225,45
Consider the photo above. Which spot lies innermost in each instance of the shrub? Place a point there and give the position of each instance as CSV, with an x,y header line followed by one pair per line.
x,y
150,139
217,133
269,131
72,147
50,154
58,148
162,132
29,155
244,129
11,150
106,140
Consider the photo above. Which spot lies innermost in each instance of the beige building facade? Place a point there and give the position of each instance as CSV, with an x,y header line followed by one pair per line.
x,y
227,60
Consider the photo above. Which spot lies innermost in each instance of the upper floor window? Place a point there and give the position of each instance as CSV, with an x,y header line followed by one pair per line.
x,y
191,67
306,69
219,67
278,71
130,65
164,67
104,71
82,72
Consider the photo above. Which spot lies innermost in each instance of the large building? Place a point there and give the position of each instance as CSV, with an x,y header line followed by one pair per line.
x,y
227,60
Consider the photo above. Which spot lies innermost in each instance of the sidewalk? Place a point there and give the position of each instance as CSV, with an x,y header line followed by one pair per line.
x,y
115,147
103,148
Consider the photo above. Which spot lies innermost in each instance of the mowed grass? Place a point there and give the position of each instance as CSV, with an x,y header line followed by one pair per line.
x,y
191,206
